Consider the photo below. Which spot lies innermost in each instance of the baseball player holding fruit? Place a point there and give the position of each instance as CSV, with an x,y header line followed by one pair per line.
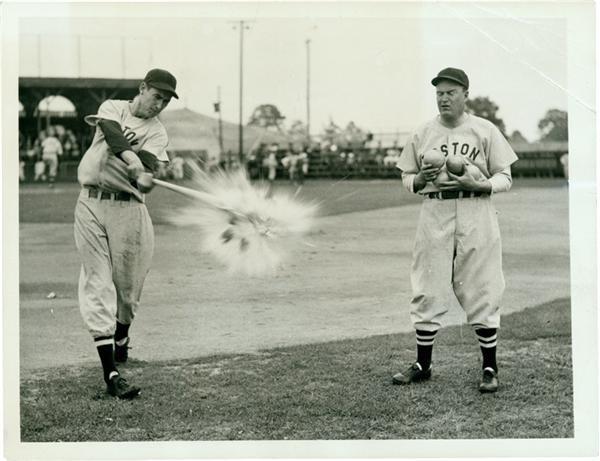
x,y
456,161
113,230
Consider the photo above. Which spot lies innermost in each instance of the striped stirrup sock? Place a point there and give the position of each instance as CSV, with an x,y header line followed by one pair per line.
x,y
425,340
104,345
488,339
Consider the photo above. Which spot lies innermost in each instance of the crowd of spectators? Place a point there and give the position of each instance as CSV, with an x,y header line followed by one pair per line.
x,y
296,163
40,156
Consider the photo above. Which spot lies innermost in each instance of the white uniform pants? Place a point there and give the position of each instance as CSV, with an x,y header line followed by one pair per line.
x,y
51,162
115,240
457,252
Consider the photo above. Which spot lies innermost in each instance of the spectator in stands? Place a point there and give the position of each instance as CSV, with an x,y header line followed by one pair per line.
x,y
22,156
69,143
51,150
290,163
379,156
39,169
392,155
303,165
564,161
270,163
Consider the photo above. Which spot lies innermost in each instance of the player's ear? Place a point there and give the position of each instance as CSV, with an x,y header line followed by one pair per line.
x,y
466,94
143,87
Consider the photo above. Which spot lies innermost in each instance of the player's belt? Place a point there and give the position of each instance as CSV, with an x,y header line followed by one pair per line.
x,y
94,192
454,194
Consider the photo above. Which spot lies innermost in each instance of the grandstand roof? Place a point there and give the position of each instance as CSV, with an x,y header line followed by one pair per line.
x,y
63,82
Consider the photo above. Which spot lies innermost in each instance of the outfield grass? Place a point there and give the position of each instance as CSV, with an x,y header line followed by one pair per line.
x,y
333,391
40,204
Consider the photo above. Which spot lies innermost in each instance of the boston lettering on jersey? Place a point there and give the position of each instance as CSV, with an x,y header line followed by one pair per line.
x,y
458,148
130,136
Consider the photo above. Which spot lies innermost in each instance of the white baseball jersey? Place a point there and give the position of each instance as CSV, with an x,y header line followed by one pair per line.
x,y
458,249
477,140
51,148
100,167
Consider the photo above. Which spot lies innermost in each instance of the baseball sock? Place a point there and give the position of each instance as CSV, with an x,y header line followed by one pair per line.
x,y
121,332
488,338
104,345
425,341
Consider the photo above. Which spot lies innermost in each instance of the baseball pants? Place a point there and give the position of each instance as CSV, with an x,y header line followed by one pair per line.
x,y
457,252
51,162
115,240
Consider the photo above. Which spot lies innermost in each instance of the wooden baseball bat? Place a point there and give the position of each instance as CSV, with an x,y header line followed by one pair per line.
x,y
192,193
208,199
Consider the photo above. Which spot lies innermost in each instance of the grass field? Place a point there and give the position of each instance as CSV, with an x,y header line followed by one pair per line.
x,y
316,389
334,197
336,390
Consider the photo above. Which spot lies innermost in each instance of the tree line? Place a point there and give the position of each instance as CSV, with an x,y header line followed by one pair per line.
x,y
553,126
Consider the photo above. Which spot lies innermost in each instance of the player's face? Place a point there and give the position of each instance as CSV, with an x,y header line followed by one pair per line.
x,y
451,99
152,101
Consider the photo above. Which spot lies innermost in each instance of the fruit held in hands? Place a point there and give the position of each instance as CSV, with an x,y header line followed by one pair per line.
x,y
434,157
455,165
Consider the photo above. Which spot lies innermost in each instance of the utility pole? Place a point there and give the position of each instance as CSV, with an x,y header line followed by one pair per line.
x,y
308,89
241,121
218,110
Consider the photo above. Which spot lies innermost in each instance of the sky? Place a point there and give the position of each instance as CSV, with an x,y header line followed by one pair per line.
x,y
366,68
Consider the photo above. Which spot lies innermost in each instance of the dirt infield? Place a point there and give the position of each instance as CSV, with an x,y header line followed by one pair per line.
x,y
352,283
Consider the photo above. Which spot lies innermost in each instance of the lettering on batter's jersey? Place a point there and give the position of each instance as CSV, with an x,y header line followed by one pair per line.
x,y
130,136
465,149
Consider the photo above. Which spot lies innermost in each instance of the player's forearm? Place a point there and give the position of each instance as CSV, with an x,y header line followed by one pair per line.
x,y
148,160
129,157
411,183
501,181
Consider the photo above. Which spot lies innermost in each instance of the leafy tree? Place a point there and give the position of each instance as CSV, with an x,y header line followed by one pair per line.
x,y
266,116
298,132
332,134
517,137
554,126
484,107
353,135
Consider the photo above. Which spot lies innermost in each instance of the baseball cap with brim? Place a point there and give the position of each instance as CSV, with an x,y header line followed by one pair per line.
x,y
162,80
452,74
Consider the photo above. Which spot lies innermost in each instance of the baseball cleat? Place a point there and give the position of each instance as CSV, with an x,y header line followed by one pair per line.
x,y
118,387
414,373
121,352
489,381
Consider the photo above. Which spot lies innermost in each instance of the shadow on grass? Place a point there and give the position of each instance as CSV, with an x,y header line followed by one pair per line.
x,y
332,391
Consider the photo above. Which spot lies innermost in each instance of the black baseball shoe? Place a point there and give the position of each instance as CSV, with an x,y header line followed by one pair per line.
x,y
412,374
117,387
489,381
121,352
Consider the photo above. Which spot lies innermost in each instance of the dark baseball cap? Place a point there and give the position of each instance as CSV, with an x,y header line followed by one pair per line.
x,y
452,74
162,80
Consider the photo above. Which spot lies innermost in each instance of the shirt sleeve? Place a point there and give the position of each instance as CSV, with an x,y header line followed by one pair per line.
x,y
501,181
408,158
114,136
408,180
500,153
108,110
157,145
